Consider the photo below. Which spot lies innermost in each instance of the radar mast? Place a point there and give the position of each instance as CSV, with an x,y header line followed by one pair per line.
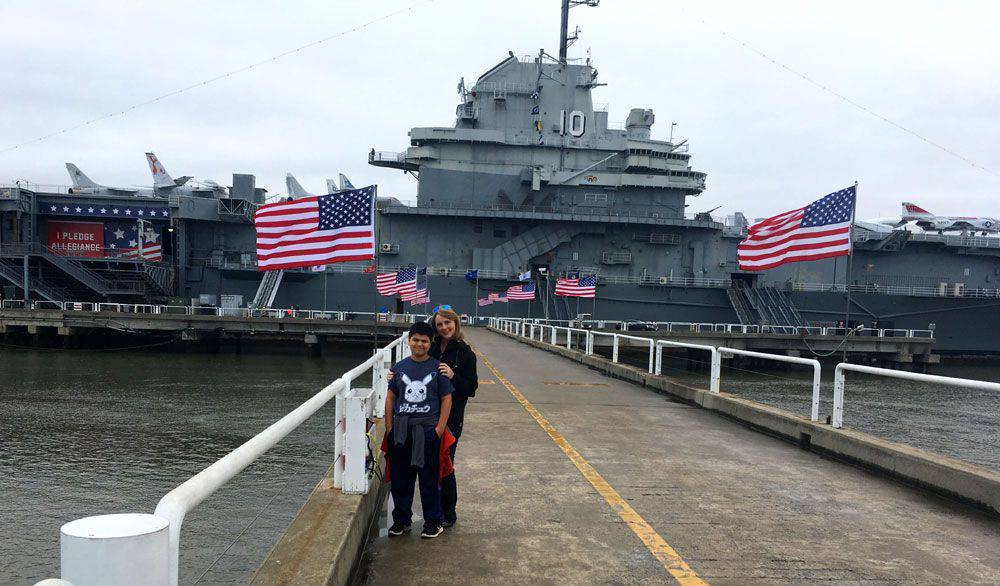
x,y
565,39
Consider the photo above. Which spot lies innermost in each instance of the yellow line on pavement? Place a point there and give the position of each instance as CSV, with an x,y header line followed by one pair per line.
x,y
671,560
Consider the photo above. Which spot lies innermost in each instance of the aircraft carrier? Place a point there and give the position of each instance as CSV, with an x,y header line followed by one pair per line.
x,y
531,176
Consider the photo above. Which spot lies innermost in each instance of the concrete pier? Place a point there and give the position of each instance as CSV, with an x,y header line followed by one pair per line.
x,y
569,476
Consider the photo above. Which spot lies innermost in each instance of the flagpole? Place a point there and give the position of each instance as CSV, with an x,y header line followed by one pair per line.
x,y
850,263
375,299
476,298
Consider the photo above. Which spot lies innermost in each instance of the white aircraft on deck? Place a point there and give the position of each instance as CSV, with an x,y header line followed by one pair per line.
x,y
928,221
164,184
83,185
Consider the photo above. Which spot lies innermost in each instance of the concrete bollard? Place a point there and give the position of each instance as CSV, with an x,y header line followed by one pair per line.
x,y
113,550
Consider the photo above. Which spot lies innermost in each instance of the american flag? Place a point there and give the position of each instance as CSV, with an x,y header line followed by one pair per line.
x,y
316,230
501,297
401,281
577,287
822,229
415,294
485,301
122,239
521,292
493,296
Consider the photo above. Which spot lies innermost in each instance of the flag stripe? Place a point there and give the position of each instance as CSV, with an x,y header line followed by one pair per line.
x,y
796,256
795,240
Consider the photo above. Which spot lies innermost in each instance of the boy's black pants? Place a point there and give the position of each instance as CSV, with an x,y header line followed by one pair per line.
x,y
403,475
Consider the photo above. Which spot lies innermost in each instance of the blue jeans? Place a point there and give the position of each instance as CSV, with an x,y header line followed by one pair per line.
x,y
403,476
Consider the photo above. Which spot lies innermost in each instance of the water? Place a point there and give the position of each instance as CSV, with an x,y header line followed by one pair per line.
x,y
86,433
954,421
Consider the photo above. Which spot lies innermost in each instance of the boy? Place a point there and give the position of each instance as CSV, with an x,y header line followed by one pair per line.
x,y
416,415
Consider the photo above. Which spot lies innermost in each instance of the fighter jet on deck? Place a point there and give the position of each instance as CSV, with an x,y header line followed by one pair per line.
x,y
164,184
84,185
295,189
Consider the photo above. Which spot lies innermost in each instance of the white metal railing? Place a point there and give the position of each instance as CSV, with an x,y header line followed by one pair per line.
x,y
729,352
527,328
354,410
840,382
239,312
731,328
716,364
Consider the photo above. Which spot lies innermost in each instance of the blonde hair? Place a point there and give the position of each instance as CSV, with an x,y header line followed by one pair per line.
x,y
452,317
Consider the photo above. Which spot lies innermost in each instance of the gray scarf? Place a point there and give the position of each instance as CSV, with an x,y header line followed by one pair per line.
x,y
414,426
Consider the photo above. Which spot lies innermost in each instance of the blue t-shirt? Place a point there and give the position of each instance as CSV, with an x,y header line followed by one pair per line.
x,y
418,387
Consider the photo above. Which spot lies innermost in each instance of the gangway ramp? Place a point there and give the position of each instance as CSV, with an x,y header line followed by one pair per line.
x,y
625,486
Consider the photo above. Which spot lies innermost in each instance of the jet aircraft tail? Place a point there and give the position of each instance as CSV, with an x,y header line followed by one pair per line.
x,y
912,210
295,188
160,177
331,186
345,183
79,179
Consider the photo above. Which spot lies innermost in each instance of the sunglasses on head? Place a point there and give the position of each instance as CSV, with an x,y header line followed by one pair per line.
x,y
440,307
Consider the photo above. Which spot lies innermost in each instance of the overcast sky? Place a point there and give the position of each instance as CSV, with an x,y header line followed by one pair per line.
x,y
767,139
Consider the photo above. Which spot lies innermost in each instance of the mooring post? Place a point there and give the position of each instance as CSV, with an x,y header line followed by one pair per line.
x,y
116,550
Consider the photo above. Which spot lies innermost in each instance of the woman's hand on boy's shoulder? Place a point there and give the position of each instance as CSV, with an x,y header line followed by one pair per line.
x,y
446,370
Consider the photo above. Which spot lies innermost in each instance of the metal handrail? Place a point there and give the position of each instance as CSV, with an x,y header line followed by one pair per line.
x,y
241,312
716,364
817,370
177,503
840,382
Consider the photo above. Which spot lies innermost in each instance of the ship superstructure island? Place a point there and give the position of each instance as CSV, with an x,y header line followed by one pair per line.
x,y
530,178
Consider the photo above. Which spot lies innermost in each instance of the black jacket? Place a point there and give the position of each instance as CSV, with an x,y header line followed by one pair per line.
x,y
460,357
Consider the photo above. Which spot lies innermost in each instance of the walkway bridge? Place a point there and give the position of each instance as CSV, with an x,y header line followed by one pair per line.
x,y
576,469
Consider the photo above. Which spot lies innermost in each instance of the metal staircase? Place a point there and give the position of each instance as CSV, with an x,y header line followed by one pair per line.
x,y
764,305
739,305
75,269
13,271
81,273
513,255
268,290
160,276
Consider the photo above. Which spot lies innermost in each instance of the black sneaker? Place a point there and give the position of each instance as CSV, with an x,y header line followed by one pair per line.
x,y
398,529
431,531
449,522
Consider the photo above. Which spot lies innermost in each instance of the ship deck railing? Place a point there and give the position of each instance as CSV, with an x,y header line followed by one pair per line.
x,y
578,210
726,328
211,311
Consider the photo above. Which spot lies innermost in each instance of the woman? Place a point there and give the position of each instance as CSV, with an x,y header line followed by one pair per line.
x,y
458,363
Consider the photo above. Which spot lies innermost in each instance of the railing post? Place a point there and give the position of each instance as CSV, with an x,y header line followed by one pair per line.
x,y
569,339
658,366
814,415
340,432
838,397
652,345
590,343
355,480
614,348
379,384
554,336
715,375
